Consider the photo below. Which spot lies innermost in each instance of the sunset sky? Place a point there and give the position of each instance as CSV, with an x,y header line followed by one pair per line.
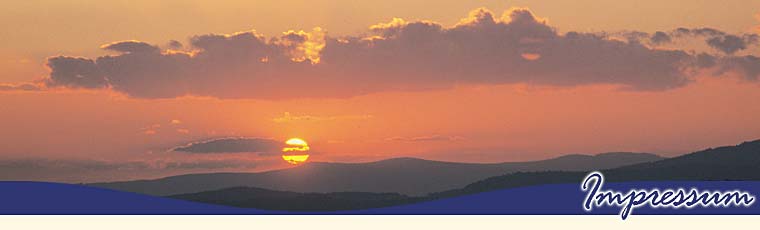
x,y
109,90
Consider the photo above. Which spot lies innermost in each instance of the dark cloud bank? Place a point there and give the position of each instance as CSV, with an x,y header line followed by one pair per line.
x,y
400,55
233,145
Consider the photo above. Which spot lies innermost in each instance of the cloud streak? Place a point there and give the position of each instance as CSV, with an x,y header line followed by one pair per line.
x,y
80,170
426,138
20,87
287,117
233,145
517,47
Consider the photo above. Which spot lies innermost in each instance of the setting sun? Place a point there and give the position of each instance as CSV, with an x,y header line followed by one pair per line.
x,y
295,151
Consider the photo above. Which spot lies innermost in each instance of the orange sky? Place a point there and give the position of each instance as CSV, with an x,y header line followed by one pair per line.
x,y
472,122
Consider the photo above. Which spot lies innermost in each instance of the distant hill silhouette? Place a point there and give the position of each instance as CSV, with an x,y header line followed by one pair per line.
x,y
408,176
741,162
248,197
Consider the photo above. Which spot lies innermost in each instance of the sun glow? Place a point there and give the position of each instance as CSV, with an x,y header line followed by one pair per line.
x,y
296,145
296,151
295,159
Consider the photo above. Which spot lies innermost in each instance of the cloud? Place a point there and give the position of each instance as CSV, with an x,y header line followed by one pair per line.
x,y
208,164
425,138
719,40
730,43
400,55
20,87
83,165
287,117
748,66
131,47
233,145
174,44
75,72
151,129
660,37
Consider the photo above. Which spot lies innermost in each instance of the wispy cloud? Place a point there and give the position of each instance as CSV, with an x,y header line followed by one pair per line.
x,y
80,170
426,138
20,87
151,129
287,117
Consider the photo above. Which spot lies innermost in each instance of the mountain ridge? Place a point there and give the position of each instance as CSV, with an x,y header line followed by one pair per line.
x,y
724,163
740,162
408,176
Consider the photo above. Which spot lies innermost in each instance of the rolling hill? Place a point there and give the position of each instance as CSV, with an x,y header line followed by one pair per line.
x,y
741,162
249,197
408,176
727,163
